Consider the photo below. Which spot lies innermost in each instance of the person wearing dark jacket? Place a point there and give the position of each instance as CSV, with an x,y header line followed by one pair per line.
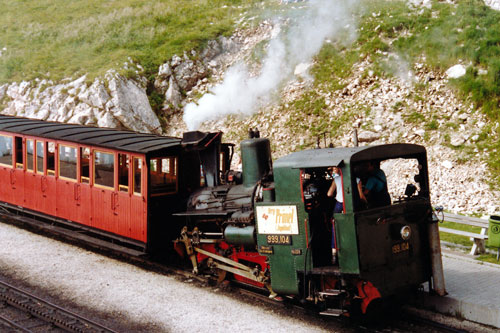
x,y
375,189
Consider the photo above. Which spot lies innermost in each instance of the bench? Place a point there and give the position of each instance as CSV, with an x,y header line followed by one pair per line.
x,y
479,239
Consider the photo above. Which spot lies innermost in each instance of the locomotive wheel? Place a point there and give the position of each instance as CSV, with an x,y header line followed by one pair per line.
x,y
221,275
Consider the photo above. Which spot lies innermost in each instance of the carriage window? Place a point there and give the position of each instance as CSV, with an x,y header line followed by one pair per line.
x,y
104,166
30,154
123,167
85,165
6,150
67,162
137,175
19,153
39,157
51,150
163,175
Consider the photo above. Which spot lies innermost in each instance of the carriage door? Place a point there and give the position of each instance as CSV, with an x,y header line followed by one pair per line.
x,y
103,191
138,204
17,174
67,186
31,181
122,197
48,182
6,162
82,190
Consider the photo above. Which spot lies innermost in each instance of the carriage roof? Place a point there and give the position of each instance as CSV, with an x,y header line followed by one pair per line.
x,y
88,135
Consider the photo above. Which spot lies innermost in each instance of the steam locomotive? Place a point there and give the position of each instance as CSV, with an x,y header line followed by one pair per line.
x,y
270,225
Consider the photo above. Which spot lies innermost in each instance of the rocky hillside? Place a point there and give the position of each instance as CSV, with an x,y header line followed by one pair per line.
x,y
416,104
457,184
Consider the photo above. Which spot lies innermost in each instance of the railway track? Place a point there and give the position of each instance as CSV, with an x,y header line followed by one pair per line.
x,y
21,311
403,322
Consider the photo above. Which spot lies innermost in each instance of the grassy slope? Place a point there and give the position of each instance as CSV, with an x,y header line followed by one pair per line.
x,y
57,38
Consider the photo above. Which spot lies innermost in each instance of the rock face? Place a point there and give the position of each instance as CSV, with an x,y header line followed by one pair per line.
x,y
391,110
114,102
177,77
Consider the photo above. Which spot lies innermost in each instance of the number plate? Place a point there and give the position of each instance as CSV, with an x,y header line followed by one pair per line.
x,y
400,247
279,239
266,249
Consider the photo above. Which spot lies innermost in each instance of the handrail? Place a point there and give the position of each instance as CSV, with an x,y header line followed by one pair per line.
x,y
479,239
469,220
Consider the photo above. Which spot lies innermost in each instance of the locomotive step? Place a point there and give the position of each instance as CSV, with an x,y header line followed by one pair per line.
x,y
326,270
333,312
331,292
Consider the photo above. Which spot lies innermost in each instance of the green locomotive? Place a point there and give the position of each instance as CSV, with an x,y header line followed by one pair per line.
x,y
273,225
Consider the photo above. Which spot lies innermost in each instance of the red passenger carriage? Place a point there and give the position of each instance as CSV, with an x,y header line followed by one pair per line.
x,y
120,184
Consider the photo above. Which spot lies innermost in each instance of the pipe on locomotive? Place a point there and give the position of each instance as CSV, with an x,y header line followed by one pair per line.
x,y
256,166
256,158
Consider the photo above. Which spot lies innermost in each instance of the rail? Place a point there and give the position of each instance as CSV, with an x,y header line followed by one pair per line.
x,y
478,247
48,313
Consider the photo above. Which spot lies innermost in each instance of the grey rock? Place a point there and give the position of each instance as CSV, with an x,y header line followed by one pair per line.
x,y
165,70
173,95
368,136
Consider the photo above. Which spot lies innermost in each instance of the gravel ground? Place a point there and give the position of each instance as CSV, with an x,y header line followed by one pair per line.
x,y
131,298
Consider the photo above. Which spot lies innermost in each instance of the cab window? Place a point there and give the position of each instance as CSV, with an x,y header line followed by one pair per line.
x,y
6,150
388,182
163,175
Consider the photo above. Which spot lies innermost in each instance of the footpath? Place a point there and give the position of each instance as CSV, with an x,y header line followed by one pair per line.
x,y
473,290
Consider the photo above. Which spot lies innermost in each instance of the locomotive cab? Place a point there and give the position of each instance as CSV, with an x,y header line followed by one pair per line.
x,y
371,249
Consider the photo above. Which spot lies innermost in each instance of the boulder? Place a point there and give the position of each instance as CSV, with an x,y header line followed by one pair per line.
x,y
456,71
368,136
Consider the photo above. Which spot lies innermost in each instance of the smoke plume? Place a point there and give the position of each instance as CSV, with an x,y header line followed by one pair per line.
x,y
294,43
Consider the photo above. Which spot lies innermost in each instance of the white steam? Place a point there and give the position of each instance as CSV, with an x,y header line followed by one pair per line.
x,y
301,39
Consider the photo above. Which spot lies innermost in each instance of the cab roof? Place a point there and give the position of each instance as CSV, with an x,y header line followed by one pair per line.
x,y
87,135
325,157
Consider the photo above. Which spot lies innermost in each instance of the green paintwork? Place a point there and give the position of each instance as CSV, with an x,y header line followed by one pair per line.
x,y
287,185
365,248
378,232
347,243
494,231
284,265
240,235
256,160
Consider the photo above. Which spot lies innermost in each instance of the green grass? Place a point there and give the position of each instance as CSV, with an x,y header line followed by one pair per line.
x,y
457,239
465,241
57,39
491,258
